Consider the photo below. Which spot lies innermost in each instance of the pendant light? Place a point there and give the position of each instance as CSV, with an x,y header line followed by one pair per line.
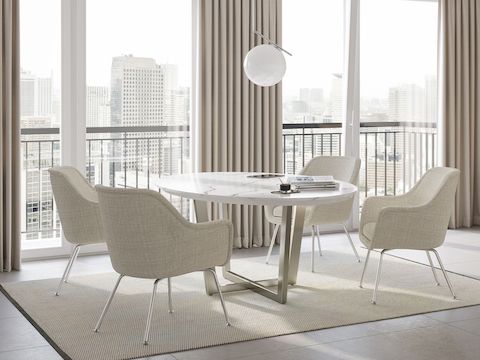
x,y
265,64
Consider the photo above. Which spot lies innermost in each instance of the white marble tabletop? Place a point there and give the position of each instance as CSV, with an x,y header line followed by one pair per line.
x,y
238,188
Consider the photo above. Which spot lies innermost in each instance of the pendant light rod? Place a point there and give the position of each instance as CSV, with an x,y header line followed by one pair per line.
x,y
272,42
263,37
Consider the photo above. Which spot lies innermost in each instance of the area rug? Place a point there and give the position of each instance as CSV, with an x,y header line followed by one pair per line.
x,y
328,298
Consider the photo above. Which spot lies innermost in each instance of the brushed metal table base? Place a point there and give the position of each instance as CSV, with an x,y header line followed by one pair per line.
x,y
290,245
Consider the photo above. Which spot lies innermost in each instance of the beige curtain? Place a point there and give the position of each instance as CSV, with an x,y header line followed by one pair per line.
x,y
240,124
10,138
460,98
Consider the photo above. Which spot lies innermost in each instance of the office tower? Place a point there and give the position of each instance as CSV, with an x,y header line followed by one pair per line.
x,y
43,98
315,100
27,94
98,106
36,95
144,93
406,103
334,107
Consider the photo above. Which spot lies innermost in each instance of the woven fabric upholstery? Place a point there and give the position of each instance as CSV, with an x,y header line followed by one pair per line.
x,y
148,238
415,220
342,168
77,205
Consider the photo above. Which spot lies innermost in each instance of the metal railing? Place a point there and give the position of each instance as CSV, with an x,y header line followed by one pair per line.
x,y
115,156
394,155
303,141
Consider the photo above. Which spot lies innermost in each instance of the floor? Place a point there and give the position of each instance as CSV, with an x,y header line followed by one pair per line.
x,y
452,334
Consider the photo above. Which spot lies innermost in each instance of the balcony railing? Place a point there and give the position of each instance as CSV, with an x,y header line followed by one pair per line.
x,y
115,156
394,155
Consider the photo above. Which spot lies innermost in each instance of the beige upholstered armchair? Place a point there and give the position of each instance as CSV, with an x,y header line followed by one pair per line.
x,y
342,168
147,238
78,210
417,220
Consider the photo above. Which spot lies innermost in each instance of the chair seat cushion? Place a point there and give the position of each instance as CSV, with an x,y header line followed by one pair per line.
x,y
369,230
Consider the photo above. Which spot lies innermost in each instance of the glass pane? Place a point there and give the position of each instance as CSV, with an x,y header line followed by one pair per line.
x,y
40,119
398,93
312,88
138,91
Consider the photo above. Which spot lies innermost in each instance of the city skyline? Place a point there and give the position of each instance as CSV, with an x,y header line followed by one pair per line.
x,y
403,102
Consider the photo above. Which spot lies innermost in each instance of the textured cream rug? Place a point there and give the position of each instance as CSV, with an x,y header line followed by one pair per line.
x,y
331,297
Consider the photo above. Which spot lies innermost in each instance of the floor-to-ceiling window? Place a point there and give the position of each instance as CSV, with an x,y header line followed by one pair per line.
x,y
398,93
396,68
138,91
313,30
135,58
40,111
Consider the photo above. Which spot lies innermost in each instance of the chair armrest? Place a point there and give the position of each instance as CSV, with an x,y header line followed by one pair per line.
x,y
210,243
372,206
408,227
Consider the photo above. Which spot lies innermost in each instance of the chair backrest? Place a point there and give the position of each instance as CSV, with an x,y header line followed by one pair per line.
x,y
77,205
436,189
343,168
435,186
142,229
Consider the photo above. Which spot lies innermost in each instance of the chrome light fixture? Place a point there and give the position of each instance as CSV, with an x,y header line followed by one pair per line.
x,y
265,64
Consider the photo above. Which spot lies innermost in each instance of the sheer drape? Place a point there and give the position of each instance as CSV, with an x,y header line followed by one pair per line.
x,y
460,99
239,124
9,138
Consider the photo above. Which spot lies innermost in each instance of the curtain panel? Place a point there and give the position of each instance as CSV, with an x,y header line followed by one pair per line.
x,y
10,138
239,124
460,99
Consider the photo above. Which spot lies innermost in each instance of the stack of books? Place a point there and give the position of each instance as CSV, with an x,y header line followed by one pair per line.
x,y
302,182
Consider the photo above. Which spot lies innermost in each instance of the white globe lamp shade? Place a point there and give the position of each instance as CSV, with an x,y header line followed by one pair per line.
x,y
265,65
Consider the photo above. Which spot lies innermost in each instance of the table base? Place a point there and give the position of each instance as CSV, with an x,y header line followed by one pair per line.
x,y
290,245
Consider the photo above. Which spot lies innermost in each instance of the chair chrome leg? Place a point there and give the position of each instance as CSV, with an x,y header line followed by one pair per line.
x,y
220,294
318,241
66,273
351,243
272,242
150,312
75,255
444,273
364,268
432,267
107,305
170,307
313,249
377,278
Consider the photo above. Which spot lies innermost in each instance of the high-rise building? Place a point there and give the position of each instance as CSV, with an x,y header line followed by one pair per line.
x,y
406,102
144,93
431,99
315,100
36,95
43,99
27,94
98,106
177,106
334,109
138,91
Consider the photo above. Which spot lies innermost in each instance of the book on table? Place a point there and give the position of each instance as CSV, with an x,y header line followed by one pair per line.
x,y
312,182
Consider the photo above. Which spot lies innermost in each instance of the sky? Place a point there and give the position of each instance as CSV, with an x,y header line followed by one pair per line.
x,y
160,29
398,42
397,37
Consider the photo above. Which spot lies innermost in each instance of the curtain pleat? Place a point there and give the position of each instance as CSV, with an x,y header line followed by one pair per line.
x,y
460,94
10,137
239,124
